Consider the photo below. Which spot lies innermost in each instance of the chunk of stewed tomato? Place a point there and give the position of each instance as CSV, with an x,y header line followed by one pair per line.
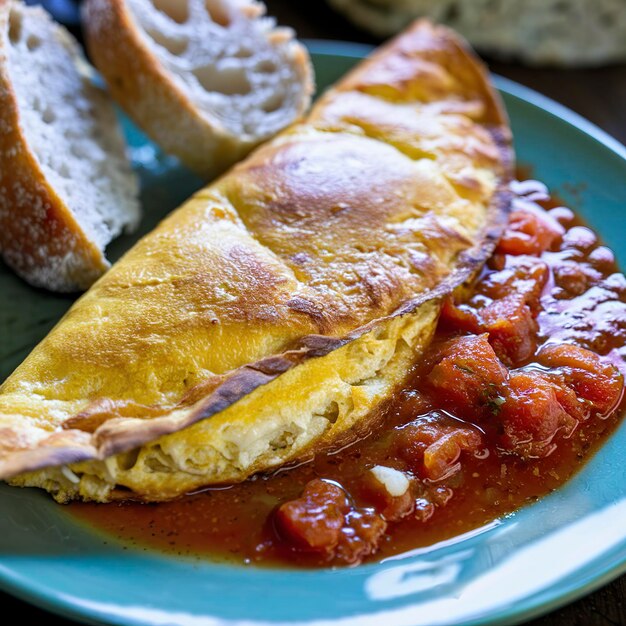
x,y
529,232
432,445
360,536
441,458
468,376
532,415
314,521
460,317
512,329
323,520
523,275
509,322
597,382
505,306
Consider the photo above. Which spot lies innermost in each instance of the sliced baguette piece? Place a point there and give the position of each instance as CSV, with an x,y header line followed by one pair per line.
x,y
66,187
558,33
208,80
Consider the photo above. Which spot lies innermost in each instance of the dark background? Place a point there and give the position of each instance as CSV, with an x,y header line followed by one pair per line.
x,y
598,94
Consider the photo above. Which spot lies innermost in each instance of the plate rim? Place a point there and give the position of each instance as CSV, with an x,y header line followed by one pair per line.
x,y
604,571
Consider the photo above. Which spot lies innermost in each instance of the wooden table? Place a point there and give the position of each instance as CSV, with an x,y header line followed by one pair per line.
x,y
599,95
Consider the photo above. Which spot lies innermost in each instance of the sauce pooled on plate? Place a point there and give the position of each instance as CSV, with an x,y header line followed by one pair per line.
x,y
521,384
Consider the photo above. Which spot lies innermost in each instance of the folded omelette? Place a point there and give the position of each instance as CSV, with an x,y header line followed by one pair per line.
x,y
268,317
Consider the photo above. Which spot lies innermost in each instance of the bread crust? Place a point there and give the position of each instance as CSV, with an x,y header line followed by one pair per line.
x,y
291,296
143,87
39,236
535,32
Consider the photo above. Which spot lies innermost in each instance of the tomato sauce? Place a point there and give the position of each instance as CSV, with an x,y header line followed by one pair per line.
x,y
523,381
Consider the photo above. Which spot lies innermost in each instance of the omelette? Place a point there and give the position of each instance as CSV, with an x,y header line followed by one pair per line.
x,y
269,316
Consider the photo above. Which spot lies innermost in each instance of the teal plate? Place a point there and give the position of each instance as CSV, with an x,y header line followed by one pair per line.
x,y
541,557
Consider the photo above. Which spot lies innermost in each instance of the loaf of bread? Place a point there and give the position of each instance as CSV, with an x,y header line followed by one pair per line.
x,y
66,187
540,32
208,80
274,311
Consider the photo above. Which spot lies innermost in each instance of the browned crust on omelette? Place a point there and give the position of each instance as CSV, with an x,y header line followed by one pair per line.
x,y
111,438
383,71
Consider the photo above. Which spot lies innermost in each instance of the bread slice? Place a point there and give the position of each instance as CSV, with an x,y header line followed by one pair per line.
x,y
208,80
565,33
66,187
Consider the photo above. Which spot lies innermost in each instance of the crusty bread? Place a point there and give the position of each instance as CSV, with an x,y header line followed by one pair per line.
x,y
268,316
540,32
66,187
208,80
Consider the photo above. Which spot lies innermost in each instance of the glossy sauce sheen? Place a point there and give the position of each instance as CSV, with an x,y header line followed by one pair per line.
x,y
582,302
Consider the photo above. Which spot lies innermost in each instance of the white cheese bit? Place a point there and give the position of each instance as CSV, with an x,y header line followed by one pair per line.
x,y
69,474
394,481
